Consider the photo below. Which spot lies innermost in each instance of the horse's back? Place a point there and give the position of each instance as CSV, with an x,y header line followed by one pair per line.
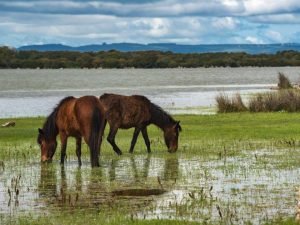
x,y
126,111
75,115
89,115
85,107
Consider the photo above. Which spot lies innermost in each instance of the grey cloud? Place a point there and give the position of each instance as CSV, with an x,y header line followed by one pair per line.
x,y
154,8
276,19
166,8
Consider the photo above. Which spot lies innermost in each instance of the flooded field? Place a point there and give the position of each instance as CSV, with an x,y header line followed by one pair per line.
x,y
251,186
229,169
26,92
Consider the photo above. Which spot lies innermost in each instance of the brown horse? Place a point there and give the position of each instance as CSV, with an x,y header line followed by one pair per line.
x,y
137,111
76,117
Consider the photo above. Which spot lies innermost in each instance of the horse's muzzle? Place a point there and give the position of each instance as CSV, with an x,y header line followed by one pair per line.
x,y
172,150
45,160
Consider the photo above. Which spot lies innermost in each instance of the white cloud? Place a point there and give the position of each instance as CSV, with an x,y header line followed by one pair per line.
x,y
274,36
253,40
159,27
225,23
264,7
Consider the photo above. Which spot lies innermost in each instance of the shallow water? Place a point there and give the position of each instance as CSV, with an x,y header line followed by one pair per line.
x,y
252,186
26,92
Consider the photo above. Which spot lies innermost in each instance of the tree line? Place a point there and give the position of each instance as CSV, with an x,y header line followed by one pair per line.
x,y
11,58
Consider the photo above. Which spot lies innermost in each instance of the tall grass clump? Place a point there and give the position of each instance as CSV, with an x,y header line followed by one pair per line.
x,y
283,100
226,104
287,99
283,82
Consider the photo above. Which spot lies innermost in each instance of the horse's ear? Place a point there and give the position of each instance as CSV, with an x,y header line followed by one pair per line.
x,y
178,126
41,131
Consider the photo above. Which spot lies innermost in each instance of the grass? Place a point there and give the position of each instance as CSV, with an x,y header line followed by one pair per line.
x,y
211,136
283,81
286,99
226,105
94,219
204,131
283,100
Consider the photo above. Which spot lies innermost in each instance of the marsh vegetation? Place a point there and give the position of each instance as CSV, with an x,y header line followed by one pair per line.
x,y
285,97
229,169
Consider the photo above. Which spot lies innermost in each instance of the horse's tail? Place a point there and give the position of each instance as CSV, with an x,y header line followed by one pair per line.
x,y
97,129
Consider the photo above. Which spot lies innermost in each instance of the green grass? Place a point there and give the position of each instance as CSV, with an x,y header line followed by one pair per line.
x,y
210,136
199,132
94,219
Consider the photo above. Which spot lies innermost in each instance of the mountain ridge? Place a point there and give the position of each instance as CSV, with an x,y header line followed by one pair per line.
x,y
172,47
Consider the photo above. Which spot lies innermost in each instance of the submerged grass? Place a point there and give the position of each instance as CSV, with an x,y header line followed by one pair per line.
x,y
265,141
94,219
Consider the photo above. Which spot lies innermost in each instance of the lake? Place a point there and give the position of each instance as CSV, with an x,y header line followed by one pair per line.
x,y
34,92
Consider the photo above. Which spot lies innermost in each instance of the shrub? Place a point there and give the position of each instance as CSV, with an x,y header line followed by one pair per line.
x,y
284,82
283,100
225,104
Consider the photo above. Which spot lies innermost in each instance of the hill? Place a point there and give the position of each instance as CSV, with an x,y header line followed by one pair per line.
x,y
165,47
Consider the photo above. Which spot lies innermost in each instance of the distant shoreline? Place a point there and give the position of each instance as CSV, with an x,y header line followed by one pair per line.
x,y
11,58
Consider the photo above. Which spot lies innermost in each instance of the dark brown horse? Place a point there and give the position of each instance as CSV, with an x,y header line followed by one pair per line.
x,y
76,117
137,111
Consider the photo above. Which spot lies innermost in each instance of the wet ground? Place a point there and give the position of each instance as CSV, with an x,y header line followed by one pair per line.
x,y
254,185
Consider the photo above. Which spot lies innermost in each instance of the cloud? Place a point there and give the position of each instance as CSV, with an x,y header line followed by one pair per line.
x,y
225,23
165,8
274,36
269,7
78,22
276,19
254,40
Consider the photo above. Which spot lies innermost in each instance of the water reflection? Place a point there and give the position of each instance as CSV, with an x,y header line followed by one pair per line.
x,y
179,187
48,182
171,169
140,173
83,187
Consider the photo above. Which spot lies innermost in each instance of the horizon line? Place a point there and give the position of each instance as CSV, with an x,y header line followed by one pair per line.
x,y
152,43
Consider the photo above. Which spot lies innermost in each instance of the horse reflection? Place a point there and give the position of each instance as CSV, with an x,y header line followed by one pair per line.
x,y
171,169
61,186
48,182
54,186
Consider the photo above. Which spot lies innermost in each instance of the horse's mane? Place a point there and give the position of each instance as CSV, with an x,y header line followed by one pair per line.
x,y
159,116
50,129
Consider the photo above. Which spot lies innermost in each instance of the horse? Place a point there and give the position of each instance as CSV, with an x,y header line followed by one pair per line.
x,y
137,111
75,117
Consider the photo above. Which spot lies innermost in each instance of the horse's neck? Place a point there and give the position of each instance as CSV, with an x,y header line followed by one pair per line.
x,y
50,128
159,123
159,117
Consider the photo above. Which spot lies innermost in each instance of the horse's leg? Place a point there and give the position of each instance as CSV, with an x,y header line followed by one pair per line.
x,y
146,139
63,139
78,149
134,138
111,139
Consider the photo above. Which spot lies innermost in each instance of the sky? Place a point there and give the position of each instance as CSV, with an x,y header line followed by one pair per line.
x,y
82,22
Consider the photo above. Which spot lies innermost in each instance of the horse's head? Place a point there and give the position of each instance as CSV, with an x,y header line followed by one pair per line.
x,y
48,147
171,134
